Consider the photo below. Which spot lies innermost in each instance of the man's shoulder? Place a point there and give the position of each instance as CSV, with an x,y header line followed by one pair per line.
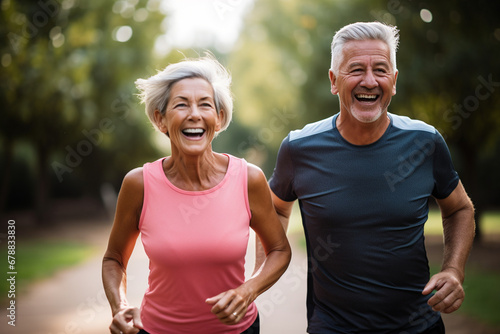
x,y
408,124
312,129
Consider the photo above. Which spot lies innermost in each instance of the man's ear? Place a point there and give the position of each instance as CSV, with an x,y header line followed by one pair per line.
x,y
333,82
395,80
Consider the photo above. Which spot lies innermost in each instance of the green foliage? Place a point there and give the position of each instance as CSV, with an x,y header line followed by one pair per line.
x,y
481,288
282,63
448,74
455,61
490,223
66,81
67,90
40,259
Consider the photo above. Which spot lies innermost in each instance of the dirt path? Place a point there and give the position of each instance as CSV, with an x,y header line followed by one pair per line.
x,y
73,301
484,257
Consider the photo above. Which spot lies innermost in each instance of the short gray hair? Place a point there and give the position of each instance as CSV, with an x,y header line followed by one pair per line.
x,y
155,91
361,31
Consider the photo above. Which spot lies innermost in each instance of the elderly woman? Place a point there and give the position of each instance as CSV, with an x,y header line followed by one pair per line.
x,y
193,210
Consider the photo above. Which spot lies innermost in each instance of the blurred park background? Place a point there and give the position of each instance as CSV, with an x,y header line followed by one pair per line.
x,y
71,126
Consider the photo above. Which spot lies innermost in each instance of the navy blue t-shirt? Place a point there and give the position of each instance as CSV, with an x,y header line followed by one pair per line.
x,y
363,210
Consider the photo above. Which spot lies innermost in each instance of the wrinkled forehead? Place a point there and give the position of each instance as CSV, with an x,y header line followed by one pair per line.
x,y
191,86
367,50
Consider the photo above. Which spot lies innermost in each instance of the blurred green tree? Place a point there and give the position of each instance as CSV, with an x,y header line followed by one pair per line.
x,y
448,74
280,66
67,89
451,79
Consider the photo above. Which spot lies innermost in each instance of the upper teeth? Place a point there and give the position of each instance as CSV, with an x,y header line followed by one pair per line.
x,y
193,130
365,96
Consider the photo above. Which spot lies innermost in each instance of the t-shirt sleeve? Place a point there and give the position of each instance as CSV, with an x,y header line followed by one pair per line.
x,y
281,182
445,177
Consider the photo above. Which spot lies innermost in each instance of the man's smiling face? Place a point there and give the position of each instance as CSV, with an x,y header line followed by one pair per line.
x,y
366,81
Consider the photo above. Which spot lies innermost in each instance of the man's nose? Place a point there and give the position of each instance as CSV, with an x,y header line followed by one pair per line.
x,y
369,80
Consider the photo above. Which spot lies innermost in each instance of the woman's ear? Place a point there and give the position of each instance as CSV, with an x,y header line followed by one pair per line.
x,y
160,121
220,118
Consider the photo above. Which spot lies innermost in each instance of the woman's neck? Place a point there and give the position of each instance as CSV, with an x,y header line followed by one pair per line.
x,y
195,173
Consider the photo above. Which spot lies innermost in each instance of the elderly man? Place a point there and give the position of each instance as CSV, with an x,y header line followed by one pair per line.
x,y
363,178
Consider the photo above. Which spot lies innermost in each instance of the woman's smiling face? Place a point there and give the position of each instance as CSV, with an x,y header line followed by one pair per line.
x,y
191,118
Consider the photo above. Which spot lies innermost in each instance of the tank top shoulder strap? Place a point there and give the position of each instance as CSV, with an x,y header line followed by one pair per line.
x,y
150,173
238,169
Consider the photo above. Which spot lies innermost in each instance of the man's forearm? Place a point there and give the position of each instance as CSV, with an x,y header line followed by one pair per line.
x,y
458,231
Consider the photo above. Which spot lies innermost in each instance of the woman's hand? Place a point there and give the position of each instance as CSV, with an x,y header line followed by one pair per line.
x,y
126,321
231,306
121,243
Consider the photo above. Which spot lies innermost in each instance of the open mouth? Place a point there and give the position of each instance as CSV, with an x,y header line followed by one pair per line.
x,y
193,133
366,97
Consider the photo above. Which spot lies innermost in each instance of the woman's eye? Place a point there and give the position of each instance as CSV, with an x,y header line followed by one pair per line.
x,y
180,105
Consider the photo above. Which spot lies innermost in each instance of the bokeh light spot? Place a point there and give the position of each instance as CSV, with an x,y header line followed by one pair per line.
x,y
426,15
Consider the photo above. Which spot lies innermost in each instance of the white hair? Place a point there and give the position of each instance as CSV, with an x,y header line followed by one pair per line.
x,y
155,91
361,31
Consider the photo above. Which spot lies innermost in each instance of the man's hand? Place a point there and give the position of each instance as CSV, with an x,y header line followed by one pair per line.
x,y
126,321
449,291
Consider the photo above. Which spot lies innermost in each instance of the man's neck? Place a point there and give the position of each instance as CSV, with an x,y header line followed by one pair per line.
x,y
358,133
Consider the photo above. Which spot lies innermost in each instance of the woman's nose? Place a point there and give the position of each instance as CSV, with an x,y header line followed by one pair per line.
x,y
194,112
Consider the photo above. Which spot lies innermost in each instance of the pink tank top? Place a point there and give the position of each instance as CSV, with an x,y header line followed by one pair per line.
x,y
196,242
